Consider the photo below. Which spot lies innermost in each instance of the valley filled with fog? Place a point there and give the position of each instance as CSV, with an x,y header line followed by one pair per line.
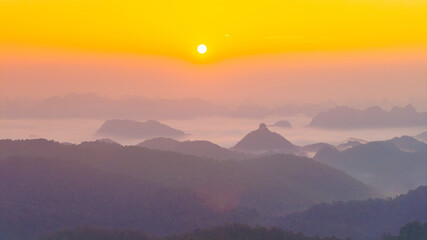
x,y
221,130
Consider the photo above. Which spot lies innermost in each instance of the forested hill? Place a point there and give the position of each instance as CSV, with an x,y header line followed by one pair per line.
x,y
277,184
361,220
225,232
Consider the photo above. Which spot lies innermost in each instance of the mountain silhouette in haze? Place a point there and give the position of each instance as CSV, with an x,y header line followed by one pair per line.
x,y
374,117
263,140
422,136
197,148
393,166
315,147
90,105
40,195
137,130
282,124
106,140
276,184
158,192
409,144
361,220
250,109
350,142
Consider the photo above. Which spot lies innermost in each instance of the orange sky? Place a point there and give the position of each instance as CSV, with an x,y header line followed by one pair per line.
x,y
269,51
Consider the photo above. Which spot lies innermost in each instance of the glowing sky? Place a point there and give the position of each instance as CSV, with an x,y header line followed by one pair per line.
x,y
50,47
228,28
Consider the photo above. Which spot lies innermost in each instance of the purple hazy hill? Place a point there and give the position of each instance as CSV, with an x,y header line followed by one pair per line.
x,y
374,117
134,129
264,140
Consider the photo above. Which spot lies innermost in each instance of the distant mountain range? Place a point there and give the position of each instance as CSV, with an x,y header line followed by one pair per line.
x,y
137,130
392,166
262,142
361,220
258,143
93,106
197,148
90,105
374,117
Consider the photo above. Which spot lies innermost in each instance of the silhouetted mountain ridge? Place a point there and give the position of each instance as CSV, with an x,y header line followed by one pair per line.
x,y
137,130
315,147
39,195
343,117
201,148
90,105
350,142
422,136
409,144
361,220
224,232
275,184
382,164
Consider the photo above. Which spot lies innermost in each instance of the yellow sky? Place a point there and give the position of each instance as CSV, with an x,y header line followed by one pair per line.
x,y
228,28
268,51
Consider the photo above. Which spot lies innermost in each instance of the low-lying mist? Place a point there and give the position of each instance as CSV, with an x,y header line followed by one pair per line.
x,y
221,130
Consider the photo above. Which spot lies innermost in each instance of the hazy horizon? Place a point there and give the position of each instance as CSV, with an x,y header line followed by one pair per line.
x,y
265,79
201,120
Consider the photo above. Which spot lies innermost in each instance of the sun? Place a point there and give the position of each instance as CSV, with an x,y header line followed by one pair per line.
x,y
202,48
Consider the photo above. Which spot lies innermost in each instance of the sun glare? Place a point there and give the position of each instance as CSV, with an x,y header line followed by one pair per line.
x,y
202,48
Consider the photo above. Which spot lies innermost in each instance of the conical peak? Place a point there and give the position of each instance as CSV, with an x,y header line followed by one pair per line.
x,y
263,140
